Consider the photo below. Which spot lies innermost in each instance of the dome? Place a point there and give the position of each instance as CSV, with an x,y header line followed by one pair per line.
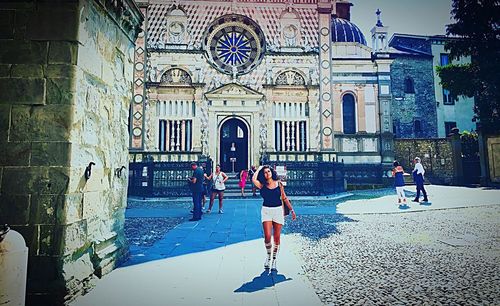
x,y
345,31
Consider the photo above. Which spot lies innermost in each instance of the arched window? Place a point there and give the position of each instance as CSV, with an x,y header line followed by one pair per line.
x,y
349,114
417,127
409,88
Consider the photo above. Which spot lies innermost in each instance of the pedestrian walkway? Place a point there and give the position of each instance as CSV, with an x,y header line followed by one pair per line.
x,y
440,197
219,260
216,261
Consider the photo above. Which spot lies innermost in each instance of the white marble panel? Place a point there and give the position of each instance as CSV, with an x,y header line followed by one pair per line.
x,y
370,114
370,145
349,145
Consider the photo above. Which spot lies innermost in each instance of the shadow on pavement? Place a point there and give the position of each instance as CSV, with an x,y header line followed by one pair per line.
x,y
316,227
265,280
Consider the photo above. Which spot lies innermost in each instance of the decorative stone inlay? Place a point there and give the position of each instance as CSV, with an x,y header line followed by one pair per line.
x,y
325,47
137,132
327,131
139,66
290,78
138,99
325,80
137,115
326,96
176,76
325,31
139,50
138,82
325,64
327,113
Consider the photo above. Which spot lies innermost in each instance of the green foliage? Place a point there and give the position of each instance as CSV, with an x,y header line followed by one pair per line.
x,y
470,144
459,79
476,33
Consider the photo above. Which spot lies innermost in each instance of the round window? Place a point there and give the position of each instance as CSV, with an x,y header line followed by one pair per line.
x,y
234,44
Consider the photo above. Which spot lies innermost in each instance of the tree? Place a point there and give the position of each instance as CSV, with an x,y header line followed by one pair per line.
x,y
476,33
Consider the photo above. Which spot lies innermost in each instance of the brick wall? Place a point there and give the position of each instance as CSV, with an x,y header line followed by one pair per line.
x,y
436,155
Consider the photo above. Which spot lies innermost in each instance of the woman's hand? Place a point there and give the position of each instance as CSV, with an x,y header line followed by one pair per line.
x,y
294,216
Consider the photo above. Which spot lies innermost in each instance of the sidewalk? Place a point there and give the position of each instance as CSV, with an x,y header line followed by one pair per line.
x,y
219,260
216,261
440,197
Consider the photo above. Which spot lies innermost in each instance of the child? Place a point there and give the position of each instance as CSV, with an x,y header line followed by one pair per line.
x,y
399,182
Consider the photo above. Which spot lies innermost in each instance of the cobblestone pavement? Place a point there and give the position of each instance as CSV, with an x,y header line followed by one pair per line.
x,y
446,257
144,232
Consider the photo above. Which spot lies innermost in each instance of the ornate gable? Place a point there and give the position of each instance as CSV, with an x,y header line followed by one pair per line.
x,y
233,91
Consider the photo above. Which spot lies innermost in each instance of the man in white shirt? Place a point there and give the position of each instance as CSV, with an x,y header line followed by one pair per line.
x,y
418,177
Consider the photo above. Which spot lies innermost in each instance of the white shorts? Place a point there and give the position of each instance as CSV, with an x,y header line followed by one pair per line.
x,y
274,214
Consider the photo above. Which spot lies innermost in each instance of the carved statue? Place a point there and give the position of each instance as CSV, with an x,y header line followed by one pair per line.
x,y
314,75
290,35
201,75
269,76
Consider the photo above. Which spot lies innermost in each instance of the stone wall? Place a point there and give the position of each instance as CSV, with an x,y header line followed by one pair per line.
x,y
436,155
421,105
493,149
65,89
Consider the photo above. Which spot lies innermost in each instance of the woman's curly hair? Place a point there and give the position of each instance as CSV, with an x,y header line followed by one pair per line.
x,y
262,179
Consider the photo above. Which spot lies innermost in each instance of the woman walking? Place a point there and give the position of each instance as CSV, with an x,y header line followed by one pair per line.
x,y
243,181
218,187
272,212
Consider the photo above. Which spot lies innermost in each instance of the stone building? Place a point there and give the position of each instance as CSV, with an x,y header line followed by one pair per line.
x,y
260,80
421,107
65,87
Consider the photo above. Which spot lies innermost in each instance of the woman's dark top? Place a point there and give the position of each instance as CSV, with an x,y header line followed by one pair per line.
x,y
272,197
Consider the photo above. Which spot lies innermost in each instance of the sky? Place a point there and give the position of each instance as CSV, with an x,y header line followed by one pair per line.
x,y
422,17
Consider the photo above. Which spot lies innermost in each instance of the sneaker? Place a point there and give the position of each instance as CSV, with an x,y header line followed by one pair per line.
x,y
273,266
194,219
221,211
399,200
267,263
415,200
208,211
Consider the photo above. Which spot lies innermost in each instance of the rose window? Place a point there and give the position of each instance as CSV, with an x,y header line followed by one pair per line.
x,y
234,44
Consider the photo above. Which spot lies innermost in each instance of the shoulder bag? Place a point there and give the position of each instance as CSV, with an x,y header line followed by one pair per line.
x,y
284,200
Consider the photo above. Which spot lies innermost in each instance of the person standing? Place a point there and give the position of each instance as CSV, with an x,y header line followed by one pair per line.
x,y
272,212
418,177
218,187
196,184
243,181
399,182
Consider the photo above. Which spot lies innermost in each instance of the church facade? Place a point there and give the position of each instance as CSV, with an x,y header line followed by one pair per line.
x,y
247,81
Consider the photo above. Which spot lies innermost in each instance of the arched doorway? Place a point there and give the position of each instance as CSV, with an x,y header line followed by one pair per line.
x,y
233,139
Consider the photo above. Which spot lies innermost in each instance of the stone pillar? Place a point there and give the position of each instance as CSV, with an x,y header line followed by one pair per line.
x,y
325,8
384,101
65,90
485,179
456,153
